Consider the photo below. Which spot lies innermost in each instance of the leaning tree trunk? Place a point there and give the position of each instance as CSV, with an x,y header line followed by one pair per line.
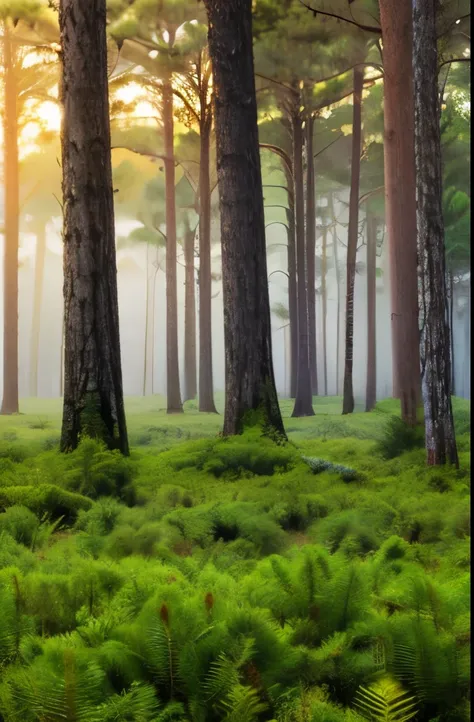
x,y
311,253
435,341
324,308
173,391
37,303
399,164
292,284
10,403
371,385
304,398
206,384
352,236
190,369
250,384
338,290
93,394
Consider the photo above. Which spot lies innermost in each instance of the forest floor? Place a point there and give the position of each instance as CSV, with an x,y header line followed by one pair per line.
x,y
216,575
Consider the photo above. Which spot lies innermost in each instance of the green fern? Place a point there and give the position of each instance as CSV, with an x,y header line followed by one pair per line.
x,y
243,705
385,701
162,652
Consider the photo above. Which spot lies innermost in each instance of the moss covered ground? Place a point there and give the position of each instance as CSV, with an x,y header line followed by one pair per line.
x,y
207,579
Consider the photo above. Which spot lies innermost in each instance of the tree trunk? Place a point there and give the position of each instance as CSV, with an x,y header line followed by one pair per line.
x,y
37,302
352,236
190,369
292,284
451,332
10,404
435,342
93,393
153,325
338,290
399,164
304,398
206,384
371,385
324,300
250,383
173,391
311,253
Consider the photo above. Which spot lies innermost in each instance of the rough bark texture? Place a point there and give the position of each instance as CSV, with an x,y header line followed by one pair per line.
x,y
324,309
190,367
292,283
40,256
435,339
11,238
310,253
304,398
250,384
338,291
173,392
93,396
352,236
206,390
400,207
371,385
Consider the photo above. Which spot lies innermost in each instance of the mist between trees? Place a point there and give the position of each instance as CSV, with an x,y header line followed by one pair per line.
x,y
338,287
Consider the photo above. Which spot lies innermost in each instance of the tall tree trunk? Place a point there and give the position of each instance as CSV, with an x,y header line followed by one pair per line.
x,y
206,383
10,404
311,253
332,215
153,325
399,155
352,236
451,332
190,368
93,392
371,385
304,398
292,283
173,391
324,300
40,256
435,342
250,381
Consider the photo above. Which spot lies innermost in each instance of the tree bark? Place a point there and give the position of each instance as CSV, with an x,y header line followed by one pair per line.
x,y
371,385
147,320
324,303
251,395
451,332
173,391
338,291
93,394
310,253
292,283
352,236
399,164
190,368
206,383
304,398
10,403
37,302
435,341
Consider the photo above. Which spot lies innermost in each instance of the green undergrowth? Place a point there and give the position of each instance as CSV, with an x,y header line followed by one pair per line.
x,y
207,579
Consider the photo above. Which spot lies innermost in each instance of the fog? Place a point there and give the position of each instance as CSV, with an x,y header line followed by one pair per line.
x,y
132,286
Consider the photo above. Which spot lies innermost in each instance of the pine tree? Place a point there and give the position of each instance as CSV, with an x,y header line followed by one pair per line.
x,y
250,383
435,341
93,395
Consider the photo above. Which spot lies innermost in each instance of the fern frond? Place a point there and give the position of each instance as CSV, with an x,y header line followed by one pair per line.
x,y
243,705
385,701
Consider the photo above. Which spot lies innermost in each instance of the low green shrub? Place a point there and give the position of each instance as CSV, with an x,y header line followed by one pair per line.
x,y
20,523
317,466
398,437
45,499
